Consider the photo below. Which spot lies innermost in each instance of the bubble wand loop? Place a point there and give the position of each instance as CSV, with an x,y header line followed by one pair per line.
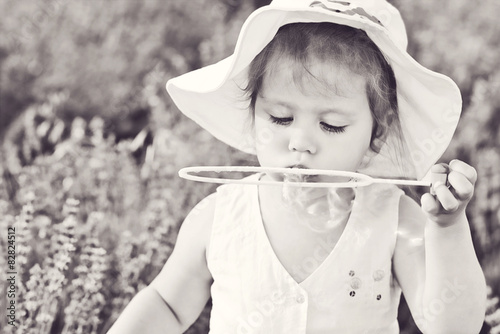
x,y
356,179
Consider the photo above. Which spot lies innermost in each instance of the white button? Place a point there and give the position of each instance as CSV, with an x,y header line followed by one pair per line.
x,y
378,275
356,283
278,297
300,299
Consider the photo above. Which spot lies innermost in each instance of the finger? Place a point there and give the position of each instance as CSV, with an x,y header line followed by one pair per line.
x,y
439,173
462,186
468,171
440,168
430,204
445,197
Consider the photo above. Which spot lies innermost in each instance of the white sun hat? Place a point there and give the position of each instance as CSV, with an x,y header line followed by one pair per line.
x,y
429,103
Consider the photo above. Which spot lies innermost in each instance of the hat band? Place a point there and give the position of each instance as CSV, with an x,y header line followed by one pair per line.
x,y
328,5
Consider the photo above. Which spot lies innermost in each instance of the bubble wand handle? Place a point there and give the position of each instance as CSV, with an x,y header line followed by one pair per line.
x,y
403,182
355,179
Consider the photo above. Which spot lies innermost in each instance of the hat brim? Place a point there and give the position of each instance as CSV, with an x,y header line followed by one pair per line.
x,y
429,103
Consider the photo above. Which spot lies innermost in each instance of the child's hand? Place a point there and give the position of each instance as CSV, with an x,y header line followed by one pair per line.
x,y
449,200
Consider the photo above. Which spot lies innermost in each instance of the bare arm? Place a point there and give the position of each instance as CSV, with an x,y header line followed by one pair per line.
x,y
435,262
148,313
176,297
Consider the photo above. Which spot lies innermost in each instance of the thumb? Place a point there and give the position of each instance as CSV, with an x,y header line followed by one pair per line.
x,y
430,204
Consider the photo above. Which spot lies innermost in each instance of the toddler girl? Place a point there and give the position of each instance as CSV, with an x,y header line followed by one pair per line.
x,y
322,85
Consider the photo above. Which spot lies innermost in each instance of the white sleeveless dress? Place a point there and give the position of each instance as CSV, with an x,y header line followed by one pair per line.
x,y
352,291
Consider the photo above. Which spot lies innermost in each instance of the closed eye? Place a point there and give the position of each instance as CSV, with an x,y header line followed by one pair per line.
x,y
333,129
281,120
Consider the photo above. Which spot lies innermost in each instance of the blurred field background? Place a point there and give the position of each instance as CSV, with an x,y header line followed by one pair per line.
x,y
91,143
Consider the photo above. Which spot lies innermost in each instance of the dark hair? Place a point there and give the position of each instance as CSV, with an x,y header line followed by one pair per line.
x,y
346,47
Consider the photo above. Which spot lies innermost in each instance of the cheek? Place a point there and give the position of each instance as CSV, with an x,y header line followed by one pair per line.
x,y
364,141
352,146
265,135
362,133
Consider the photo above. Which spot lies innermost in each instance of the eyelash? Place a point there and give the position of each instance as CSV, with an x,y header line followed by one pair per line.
x,y
327,127
280,121
333,129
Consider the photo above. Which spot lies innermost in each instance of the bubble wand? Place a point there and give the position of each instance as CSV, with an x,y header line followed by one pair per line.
x,y
354,179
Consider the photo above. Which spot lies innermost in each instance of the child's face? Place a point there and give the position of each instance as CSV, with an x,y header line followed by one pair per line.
x,y
324,124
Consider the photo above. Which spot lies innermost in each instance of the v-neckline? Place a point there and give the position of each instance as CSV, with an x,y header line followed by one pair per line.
x,y
277,261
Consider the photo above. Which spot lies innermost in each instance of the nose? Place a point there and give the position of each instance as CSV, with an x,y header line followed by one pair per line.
x,y
301,141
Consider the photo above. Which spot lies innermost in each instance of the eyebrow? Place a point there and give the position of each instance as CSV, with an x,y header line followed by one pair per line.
x,y
292,107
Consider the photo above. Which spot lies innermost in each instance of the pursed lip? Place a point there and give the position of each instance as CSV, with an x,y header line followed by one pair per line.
x,y
300,177
298,166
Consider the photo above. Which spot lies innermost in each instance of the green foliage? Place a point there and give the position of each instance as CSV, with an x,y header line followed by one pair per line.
x,y
91,143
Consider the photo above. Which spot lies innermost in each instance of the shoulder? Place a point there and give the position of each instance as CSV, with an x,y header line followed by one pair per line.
x,y
184,282
380,199
194,235
231,198
203,210
378,194
198,223
189,254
